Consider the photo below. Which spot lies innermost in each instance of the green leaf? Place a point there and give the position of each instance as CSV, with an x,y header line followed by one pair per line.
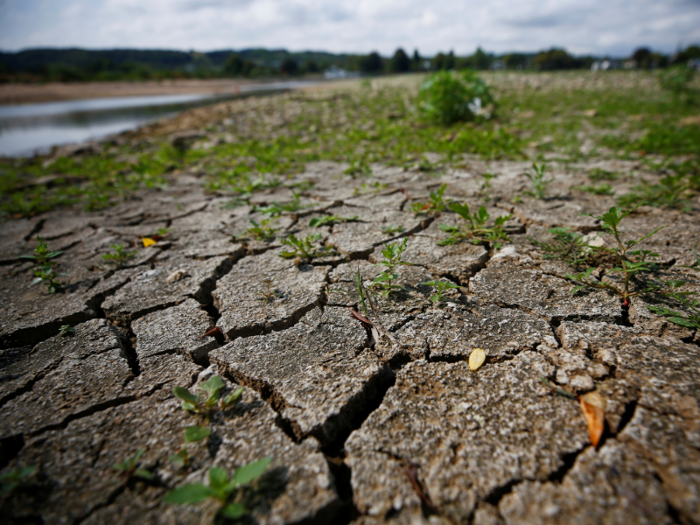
x,y
249,472
186,405
233,397
143,473
185,395
192,493
462,210
214,384
681,321
233,511
196,433
435,298
218,479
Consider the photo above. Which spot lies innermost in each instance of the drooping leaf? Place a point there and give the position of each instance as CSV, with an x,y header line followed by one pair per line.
x,y
218,479
249,472
212,386
476,359
233,511
185,395
143,473
192,493
196,433
593,406
234,396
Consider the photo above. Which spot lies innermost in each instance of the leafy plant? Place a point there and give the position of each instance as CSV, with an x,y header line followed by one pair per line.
x,y
369,188
276,209
440,288
261,231
392,229
392,258
601,189
329,220
538,181
476,230
15,478
221,488
66,330
677,80
690,320
304,248
672,191
44,269
435,204
359,167
567,245
119,257
269,293
447,97
598,174
129,468
211,403
629,262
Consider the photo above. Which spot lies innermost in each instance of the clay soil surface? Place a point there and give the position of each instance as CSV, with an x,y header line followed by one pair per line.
x,y
373,417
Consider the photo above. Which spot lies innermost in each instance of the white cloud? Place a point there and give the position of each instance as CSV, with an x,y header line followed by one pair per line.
x,y
596,26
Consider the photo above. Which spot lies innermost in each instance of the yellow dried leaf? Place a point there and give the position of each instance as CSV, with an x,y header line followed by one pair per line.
x,y
477,358
147,241
593,406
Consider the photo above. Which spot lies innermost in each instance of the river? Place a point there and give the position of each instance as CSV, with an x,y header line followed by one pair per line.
x,y
27,129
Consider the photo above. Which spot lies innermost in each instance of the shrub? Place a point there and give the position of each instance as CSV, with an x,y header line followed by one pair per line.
x,y
446,97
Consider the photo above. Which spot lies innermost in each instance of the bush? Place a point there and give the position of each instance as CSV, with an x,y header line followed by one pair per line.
x,y
554,59
447,97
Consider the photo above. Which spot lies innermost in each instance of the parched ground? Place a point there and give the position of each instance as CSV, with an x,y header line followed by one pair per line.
x,y
362,429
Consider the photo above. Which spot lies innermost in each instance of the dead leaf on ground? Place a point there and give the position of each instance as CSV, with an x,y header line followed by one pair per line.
x,y
147,241
212,332
593,406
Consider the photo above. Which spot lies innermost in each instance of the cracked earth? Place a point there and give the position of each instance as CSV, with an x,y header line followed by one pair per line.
x,y
346,418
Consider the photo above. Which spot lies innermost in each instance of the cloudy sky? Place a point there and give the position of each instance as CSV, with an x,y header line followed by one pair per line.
x,y
582,26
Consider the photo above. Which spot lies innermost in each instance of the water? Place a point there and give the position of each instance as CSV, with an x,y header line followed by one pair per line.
x,y
35,128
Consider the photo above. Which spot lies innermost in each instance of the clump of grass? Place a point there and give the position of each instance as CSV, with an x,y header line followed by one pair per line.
x,y
599,174
440,288
211,403
538,181
567,245
475,229
435,204
601,189
392,229
221,488
448,97
262,231
13,479
687,320
329,220
44,271
66,330
672,191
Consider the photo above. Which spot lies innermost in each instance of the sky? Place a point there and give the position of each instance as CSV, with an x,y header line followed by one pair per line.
x,y
598,27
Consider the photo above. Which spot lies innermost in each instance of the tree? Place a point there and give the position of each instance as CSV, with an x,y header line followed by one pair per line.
x,y
554,59
371,63
289,66
515,60
311,66
642,56
481,60
234,65
416,61
399,63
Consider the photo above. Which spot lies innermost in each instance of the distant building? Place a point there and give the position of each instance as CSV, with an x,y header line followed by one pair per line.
x,y
334,72
606,65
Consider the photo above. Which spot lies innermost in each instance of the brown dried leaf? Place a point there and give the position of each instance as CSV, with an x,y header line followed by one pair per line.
x,y
593,406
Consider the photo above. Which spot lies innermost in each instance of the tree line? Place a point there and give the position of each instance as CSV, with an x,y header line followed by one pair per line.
x,y
77,65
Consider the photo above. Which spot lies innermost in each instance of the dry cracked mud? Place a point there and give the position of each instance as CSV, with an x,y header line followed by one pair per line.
x,y
365,426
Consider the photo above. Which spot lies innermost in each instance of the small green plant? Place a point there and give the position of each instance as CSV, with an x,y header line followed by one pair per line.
x,y
269,294
476,230
329,220
119,257
362,189
359,168
628,262
672,191
425,166
262,231
15,478
601,189
392,229
392,258
677,80
221,488
129,468
44,270
66,330
440,288
276,209
567,245
598,174
305,248
211,403
538,181
192,435
689,320
435,203
448,97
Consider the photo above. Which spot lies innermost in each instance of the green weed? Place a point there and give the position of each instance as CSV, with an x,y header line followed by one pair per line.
x,y
538,181
221,488
211,403
261,231
369,188
269,294
687,320
66,330
677,81
435,204
598,174
672,191
476,230
276,209
129,468
601,189
568,246
13,479
329,220
392,258
440,288
119,257
359,168
44,271
306,248
447,97
392,229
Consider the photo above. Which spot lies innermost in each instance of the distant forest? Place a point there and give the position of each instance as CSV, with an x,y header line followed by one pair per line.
x,y
80,65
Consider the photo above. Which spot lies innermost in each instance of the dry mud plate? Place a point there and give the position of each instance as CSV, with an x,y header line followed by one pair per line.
x,y
363,426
